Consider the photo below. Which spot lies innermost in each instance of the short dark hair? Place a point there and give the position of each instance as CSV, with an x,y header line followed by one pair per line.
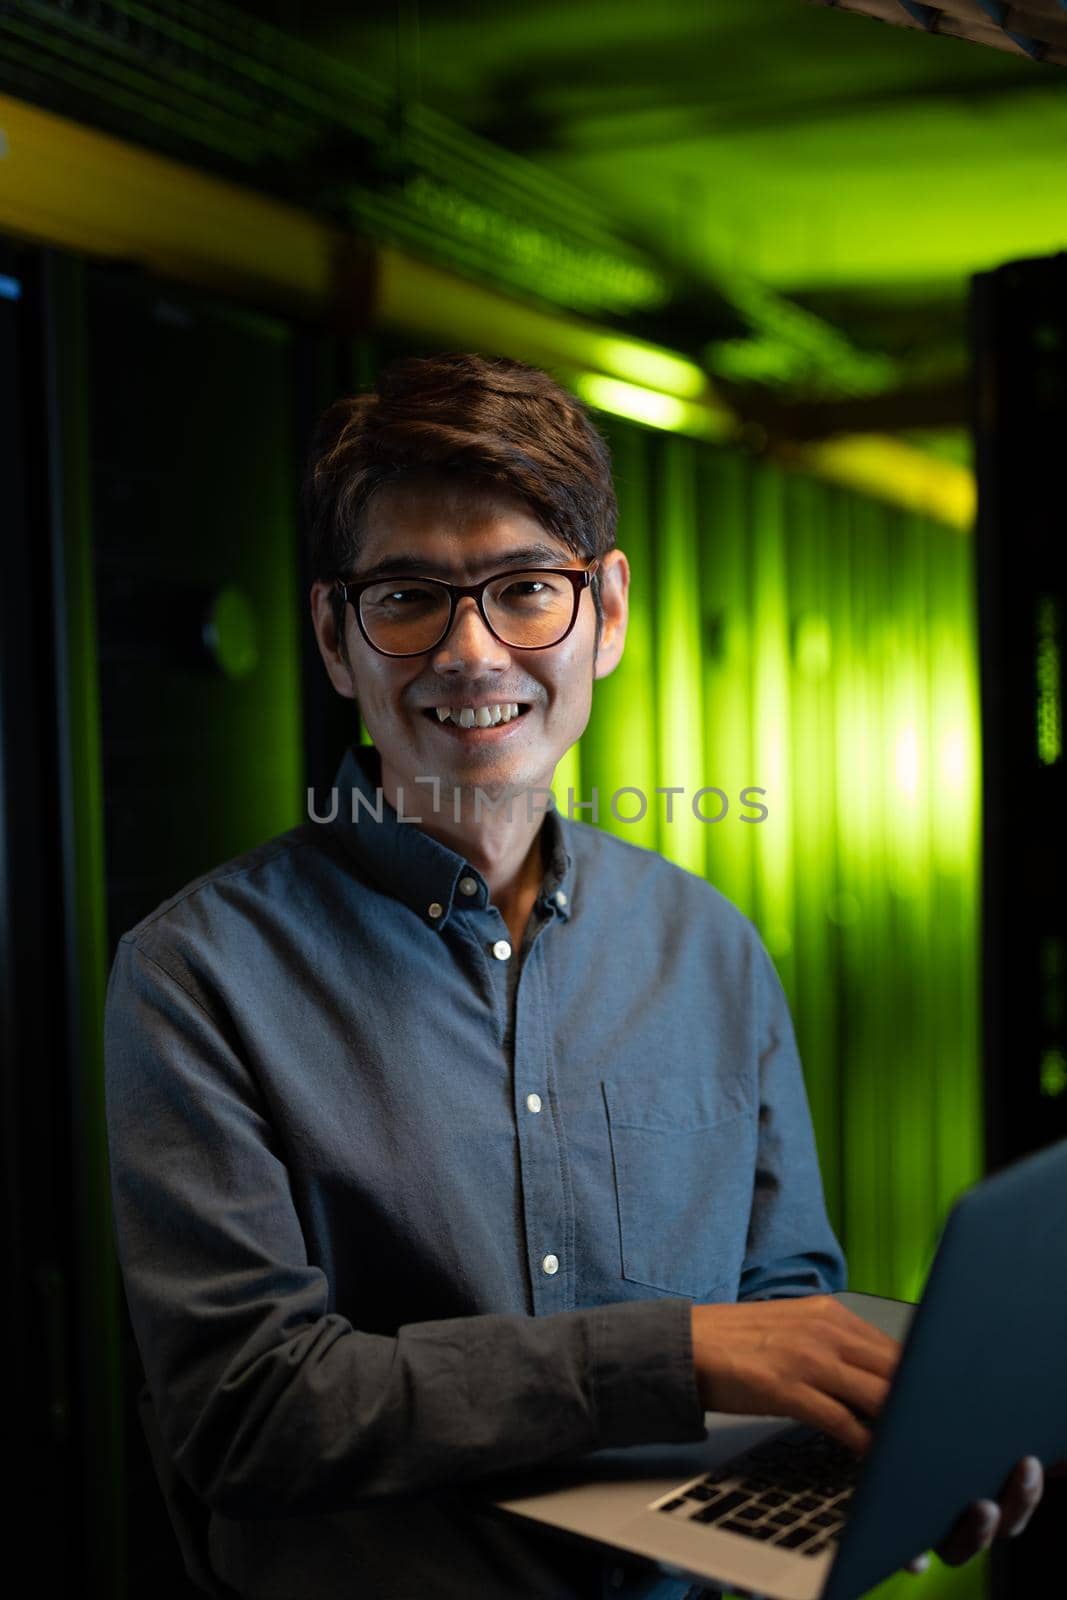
x,y
493,422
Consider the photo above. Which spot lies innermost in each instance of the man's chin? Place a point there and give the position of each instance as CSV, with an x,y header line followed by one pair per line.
x,y
492,780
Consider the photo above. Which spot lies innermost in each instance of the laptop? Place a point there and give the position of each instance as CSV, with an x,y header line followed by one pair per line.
x,y
773,1508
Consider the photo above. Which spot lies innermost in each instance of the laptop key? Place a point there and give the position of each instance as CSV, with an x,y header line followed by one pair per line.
x,y
794,1537
720,1508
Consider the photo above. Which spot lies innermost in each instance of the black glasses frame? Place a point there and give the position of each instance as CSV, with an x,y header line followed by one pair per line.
x,y
352,590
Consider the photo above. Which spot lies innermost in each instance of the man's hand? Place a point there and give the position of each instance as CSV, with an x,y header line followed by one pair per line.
x,y
986,1520
809,1358
812,1359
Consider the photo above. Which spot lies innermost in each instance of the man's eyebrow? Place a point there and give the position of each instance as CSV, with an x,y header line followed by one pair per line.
x,y
530,555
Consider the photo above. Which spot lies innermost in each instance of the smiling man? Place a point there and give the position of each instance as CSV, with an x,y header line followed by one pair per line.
x,y
471,703
447,1146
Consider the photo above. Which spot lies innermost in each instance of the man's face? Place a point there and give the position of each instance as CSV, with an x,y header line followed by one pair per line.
x,y
464,534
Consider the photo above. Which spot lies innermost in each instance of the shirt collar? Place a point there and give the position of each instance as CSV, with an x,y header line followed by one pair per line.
x,y
405,861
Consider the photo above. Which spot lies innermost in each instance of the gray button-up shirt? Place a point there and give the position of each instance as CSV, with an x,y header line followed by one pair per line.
x,y
397,1209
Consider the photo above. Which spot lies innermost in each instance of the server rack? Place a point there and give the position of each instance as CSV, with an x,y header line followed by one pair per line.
x,y
1019,342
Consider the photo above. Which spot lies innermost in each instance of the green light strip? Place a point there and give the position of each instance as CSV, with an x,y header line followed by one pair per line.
x,y
651,406
542,261
792,347
1053,1073
1049,676
651,368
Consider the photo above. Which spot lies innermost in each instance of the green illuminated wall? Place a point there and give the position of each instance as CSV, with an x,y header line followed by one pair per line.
x,y
798,637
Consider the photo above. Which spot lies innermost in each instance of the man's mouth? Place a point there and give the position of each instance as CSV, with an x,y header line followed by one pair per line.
x,y
485,716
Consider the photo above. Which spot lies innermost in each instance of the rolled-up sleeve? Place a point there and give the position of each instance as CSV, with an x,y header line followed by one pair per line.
x,y
269,1399
791,1247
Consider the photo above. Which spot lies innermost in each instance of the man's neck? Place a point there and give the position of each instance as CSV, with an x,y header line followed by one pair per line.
x,y
508,851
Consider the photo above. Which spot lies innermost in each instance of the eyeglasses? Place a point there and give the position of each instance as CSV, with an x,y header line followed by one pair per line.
x,y
527,608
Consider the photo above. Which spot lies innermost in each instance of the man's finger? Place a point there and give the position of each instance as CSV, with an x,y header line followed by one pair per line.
x,y
866,1331
824,1412
863,1392
870,1357
975,1530
1020,1496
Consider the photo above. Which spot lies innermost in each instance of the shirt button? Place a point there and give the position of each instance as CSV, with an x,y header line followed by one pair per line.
x,y
502,950
533,1102
550,1265
561,898
468,886
435,909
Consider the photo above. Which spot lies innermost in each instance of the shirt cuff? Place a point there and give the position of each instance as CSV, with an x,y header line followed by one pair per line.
x,y
644,1379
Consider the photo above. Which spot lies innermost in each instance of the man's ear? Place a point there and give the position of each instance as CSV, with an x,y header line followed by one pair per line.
x,y
614,575
326,635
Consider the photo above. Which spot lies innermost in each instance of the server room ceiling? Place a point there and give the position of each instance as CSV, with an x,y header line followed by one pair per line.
x,y
792,196
854,174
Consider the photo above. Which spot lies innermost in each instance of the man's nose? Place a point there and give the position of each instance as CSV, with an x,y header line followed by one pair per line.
x,y
469,644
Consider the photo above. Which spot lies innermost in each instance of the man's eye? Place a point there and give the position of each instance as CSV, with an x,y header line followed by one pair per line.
x,y
400,597
525,586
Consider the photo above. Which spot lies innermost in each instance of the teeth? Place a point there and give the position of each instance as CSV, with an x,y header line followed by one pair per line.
x,y
483,717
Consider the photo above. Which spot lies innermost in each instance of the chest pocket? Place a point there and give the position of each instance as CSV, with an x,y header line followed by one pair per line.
x,y
684,1171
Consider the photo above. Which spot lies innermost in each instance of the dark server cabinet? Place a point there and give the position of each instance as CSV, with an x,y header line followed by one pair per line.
x,y
37,1013
192,487
196,566
1020,340
1019,337
153,695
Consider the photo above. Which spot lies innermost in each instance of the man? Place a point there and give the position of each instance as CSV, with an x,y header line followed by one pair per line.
x,y
450,1136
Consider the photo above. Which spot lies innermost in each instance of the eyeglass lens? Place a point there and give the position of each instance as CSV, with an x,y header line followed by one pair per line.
x,y
528,610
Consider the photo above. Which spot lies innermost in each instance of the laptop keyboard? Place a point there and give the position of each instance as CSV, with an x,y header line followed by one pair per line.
x,y
793,1492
